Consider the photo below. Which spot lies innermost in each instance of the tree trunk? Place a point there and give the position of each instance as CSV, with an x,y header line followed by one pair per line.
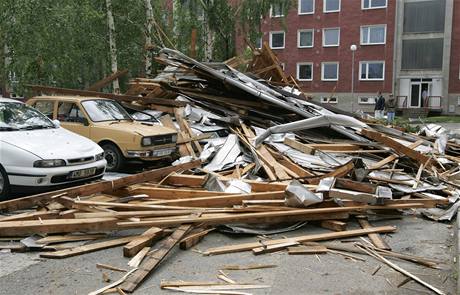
x,y
209,34
113,46
148,38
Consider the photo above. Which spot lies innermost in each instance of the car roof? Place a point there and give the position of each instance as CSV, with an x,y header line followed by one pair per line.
x,y
68,97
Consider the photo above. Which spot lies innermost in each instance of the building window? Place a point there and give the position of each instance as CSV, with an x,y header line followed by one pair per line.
x,y
305,71
277,40
327,99
331,37
424,16
422,54
305,38
283,66
259,43
372,70
306,6
371,35
277,10
331,6
330,71
374,4
366,100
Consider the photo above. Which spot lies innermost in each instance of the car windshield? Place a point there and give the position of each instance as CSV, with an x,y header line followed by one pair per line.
x,y
100,110
18,116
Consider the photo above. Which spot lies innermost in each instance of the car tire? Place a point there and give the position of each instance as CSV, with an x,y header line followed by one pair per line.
x,y
4,185
113,156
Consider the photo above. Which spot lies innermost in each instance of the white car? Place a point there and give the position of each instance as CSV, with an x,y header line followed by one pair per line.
x,y
37,154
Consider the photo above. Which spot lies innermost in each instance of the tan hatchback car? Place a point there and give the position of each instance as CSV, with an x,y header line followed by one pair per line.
x,y
107,123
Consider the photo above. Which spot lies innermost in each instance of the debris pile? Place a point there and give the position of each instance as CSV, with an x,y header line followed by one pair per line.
x,y
252,152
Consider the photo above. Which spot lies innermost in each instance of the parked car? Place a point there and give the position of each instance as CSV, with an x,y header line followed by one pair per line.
x,y
36,153
107,123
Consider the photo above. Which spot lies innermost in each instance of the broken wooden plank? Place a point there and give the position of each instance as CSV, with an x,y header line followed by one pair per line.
x,y
154,259
193,239
375,238
145,239
300,239
334,225
307,250
398,147
263,248
69,238
88,248
299,146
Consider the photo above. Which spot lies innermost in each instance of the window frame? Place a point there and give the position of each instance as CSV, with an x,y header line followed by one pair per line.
x,y
331,11
370,5
367,62
261,43
305,13
338,39
368,97
325,99
329,63
271,39
298,71
312,38
361,41
275,16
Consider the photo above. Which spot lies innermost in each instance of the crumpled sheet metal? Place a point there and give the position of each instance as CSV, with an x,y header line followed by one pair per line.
x,y
227,155
438,214
315,162
433,130
265,229
237,186
298,196
320,121
278,137
409,181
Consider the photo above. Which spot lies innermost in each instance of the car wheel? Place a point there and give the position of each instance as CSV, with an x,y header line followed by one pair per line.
x,y
4,185
113,156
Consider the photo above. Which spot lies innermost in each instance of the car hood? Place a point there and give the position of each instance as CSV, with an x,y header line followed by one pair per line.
x,y
56,143
143,129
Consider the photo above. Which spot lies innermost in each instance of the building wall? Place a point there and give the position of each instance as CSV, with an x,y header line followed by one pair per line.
x,y
350,18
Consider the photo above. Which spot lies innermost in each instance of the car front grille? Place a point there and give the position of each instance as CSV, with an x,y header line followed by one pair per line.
x,y
162,139
79,161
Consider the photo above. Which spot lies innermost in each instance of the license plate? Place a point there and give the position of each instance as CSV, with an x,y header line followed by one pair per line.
x,y
82,173
163,152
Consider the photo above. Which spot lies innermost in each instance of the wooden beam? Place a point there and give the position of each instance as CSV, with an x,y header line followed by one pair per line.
x,y
223,200
335,225
301,214
299,146
391,158
193,239
300,239
153,260
398,147
97,187
141,241
376,239
104,82
87,248
30,227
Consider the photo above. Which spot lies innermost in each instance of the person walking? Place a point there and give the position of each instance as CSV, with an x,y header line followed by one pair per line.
x,y
379,106
390,107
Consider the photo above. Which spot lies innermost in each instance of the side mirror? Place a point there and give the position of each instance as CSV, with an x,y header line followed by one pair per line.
x,y
56,123
85,121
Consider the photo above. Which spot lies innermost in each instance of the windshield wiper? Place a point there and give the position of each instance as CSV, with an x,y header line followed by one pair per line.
x,y
34,127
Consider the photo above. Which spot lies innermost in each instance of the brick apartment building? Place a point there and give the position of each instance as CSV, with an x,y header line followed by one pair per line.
x,y
407,47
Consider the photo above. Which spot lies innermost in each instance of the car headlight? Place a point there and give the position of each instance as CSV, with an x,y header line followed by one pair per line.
x,y
146,141
49,163
99,157
174,138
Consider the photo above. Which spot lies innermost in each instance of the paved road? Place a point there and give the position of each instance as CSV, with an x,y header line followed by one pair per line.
x,y
26,273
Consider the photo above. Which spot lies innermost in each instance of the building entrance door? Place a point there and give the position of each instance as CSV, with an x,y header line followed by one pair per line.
x,y
420,91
